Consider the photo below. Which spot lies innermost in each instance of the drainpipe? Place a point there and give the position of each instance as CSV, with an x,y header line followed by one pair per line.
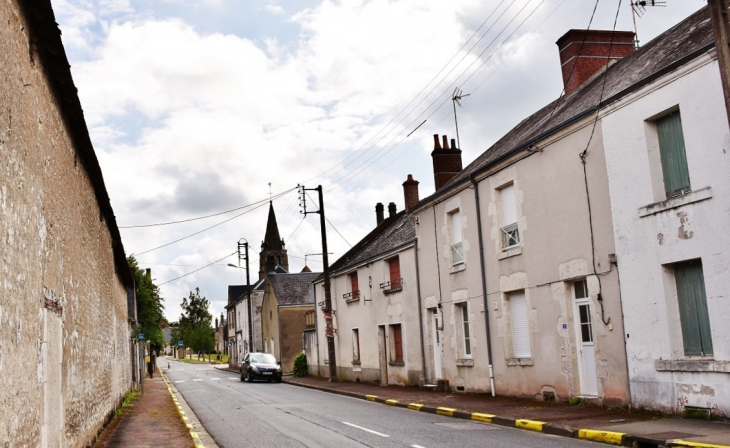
x,y
420,312
484,282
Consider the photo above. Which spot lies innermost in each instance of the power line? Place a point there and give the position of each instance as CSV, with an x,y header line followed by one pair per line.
x,y
199,269
202,217
338,232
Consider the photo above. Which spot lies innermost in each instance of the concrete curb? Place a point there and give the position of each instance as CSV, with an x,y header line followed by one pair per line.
x,y
607,437
186,421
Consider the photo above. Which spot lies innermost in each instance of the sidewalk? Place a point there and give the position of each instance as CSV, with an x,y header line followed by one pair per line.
x,y
153,421
615,426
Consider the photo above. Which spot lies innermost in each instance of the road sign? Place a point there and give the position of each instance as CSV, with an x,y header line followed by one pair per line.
x,y
230,344
141,336
179,343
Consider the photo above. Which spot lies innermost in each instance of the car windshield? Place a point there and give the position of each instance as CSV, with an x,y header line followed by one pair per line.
x,y
263,358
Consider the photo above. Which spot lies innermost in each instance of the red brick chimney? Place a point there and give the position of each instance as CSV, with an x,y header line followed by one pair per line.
x,y
587,50
379,213
410,192
446,161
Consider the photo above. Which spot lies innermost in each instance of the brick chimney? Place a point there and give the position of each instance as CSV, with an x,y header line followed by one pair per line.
x,y
590,57
379,213
410,192
446,161
391,210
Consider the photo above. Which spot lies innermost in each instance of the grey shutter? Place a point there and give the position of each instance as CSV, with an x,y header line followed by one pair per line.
x,y
693,313
672,151
520,325
509,205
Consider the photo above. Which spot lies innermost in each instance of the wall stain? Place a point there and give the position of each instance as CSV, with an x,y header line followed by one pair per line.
x,y
660,237
683,233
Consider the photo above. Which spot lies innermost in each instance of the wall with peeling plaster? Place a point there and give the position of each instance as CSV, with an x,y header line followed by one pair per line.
x,y
64,337
652,233
555,250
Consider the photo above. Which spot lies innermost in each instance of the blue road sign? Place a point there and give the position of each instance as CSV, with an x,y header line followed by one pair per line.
x,y
230,344
141,336
179,343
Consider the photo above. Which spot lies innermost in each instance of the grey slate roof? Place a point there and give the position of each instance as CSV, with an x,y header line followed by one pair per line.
x,y
668,51
390,234
293,289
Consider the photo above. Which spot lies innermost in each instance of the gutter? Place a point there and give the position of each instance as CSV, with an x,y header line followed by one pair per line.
x,y
420,312
484,283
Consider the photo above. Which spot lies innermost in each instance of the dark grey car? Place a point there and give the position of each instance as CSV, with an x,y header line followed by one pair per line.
x,y
260,366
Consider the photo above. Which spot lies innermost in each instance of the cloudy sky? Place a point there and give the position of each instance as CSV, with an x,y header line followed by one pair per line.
x,y
195,106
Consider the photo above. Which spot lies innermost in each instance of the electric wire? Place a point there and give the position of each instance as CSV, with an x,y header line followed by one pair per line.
x,y
199,269
338,232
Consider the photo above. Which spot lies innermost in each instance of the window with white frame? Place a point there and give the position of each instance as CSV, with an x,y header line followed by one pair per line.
x,y
510,232
520,325
463,310
457,248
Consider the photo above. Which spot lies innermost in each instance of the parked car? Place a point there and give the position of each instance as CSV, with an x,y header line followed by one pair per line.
x,y
263,366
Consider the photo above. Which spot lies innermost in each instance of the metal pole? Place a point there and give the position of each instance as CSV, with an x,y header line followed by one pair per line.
x,y
327,294
250,307
721,32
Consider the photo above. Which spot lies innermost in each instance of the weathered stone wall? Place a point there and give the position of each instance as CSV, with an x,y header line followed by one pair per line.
x,y
64,336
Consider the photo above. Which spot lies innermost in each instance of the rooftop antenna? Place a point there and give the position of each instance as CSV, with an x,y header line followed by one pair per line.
x,y
456,98
638,8
270,192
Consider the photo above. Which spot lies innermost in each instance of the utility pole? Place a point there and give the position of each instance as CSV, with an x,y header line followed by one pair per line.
x,y
329,330
244,256
721,32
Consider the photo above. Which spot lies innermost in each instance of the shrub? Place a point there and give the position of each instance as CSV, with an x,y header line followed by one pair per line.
x,y
300,365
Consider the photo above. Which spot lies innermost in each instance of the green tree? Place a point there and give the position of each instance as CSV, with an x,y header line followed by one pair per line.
x,y
195,328
149,306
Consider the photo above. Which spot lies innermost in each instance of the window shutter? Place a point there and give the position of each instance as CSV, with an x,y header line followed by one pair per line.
x,y
693,315
398,342
520,326
353,282
455,227
509,207
394,265
672,151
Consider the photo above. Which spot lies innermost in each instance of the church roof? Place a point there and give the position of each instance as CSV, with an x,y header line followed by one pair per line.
x,y
272,240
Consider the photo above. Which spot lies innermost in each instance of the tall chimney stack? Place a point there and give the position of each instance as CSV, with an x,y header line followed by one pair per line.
x,y
410,192
446,161
391,210
148,273
379,213
583,53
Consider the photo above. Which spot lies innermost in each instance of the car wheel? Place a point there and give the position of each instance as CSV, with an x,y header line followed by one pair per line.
x,y
249,378
278,380
242,378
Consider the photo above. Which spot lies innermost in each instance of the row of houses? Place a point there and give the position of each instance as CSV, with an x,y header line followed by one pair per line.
x,y
585,254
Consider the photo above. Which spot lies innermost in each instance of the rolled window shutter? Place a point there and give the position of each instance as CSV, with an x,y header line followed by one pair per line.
x,y
509,208
455,227
520,325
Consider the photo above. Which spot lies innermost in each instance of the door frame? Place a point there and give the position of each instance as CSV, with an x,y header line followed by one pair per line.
x,y
437,344
577,302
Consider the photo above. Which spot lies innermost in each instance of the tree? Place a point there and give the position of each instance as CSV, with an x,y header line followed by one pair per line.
x,y
195,328
149,306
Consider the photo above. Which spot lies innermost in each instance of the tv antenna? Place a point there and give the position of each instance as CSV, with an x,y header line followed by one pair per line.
x,y
456,98
638,8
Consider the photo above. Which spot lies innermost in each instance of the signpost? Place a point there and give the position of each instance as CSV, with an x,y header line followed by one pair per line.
x,y
179,343
141,336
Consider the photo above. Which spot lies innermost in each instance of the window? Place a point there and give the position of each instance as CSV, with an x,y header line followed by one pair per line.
x,y
396,343
465,334
510,232
396,282
355,345
457,249
693,315
520,325
355,289
672,153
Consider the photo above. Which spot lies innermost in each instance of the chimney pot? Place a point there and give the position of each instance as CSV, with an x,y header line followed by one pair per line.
x,y
391,210
410,192
436,144
148,273
379,213
446,142
453,143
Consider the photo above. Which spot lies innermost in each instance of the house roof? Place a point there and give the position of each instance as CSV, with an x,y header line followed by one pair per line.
x,y
665,53
237,292
46,37
387,236
293,289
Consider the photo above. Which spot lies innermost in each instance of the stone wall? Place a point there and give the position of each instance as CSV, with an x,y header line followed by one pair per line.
x,y
64,333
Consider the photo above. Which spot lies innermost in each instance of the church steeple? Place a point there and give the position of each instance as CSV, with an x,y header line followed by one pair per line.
x,y
273,252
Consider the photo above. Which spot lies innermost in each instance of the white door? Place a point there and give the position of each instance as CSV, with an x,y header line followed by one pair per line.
x,y
436,346
584,338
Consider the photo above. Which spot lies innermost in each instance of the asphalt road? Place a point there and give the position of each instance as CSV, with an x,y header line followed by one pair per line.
x,y
261,414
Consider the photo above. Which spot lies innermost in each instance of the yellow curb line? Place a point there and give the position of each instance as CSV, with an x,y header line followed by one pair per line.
x,y
614,438
478,416
532,425
391,402
446,411
186,421
415,406
695,444
371,397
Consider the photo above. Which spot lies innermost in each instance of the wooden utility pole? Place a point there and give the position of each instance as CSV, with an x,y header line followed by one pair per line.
x,y
721,32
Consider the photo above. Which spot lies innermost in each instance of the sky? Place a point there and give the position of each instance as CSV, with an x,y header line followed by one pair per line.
x,y
198,107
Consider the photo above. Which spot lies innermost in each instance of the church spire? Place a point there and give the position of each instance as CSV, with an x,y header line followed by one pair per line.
x,y
272,240
273,252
